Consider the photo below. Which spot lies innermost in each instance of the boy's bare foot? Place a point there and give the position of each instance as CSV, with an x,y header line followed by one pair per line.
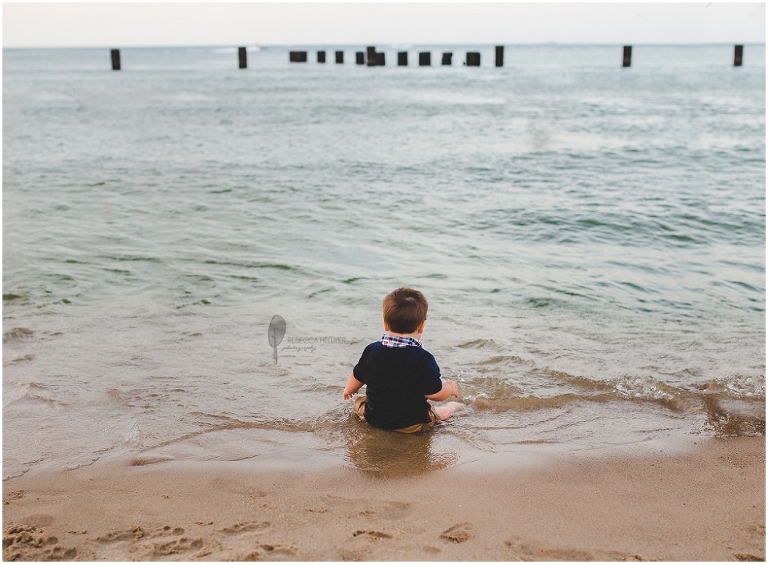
x,y
448,409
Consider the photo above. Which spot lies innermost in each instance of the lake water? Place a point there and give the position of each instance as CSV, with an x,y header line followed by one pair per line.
x,y
591,240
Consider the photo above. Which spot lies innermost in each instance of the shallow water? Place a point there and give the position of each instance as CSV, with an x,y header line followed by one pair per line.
x,y
591,241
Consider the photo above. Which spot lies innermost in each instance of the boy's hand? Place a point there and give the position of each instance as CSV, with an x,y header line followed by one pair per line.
x,y
455,388
353,384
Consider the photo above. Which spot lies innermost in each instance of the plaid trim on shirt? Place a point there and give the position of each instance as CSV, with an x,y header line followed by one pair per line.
x,y
399,342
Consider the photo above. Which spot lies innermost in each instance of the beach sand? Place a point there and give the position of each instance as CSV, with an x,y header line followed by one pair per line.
x,y
706,504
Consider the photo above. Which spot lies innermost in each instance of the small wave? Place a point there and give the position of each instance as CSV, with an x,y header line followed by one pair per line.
x,y
738,386
644,387
277,266
734,418
478,344
17,334
34,393
523,403
132,259
504,359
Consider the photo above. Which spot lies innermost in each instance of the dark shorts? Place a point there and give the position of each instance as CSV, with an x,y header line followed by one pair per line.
x,y
359,408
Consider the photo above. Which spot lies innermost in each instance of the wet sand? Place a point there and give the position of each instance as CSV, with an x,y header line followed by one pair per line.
x,y
707,504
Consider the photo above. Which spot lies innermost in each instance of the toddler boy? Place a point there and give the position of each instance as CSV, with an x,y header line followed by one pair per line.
x,y
399,374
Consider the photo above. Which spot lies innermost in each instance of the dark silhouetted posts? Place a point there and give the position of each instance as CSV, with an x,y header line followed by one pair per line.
x,y
402,59
627,61
371,56
425,59
380,60
339,57
447,59
298,56
242,57
321,56
115,59
499,55
738,52
473,59
360,58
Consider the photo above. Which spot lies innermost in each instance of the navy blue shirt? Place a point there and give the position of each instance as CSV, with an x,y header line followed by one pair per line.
x,y
397,380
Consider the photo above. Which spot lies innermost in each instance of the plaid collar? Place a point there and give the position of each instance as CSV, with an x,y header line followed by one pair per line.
x,y
399,342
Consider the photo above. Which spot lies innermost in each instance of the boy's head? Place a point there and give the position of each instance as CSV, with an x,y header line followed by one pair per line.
x,y
404,310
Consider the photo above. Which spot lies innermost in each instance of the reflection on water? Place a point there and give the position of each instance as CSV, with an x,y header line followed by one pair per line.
x,y
381,453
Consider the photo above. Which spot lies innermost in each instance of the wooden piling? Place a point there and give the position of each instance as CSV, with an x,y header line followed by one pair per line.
x,y
242,56
339,57
473,59
499,55
627,61
115,59
371,56
380,60
321,56
298,56
425,59
402,59
447,59
738,53
360,58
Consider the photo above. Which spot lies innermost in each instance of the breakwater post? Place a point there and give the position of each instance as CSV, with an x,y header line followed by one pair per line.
x,y
627,61
473,59
360,58
371,56
115,59
447,59
339,57
321,56
425,59
402,59
499,55
242,57
298,56
380,60
738,52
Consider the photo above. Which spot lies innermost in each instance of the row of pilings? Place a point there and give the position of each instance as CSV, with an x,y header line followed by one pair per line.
x,y
373,58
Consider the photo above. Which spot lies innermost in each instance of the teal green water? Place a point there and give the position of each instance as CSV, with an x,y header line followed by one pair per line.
x,y
591,241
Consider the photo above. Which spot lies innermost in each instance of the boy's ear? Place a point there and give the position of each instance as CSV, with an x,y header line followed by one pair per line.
x,y
384,323
421,327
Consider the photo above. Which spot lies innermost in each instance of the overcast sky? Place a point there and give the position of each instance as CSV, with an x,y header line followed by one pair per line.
x,y
362,23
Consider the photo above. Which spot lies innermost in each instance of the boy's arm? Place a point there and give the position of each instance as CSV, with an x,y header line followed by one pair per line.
x,y
449,389
353,384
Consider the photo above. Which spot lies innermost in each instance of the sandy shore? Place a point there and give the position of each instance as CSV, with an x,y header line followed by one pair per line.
x,y
708,504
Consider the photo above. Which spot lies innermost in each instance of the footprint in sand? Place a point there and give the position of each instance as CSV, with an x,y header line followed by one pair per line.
x,y
458,533
524,550
31,543
359,547
238,528
334,500
374,534
743,557
177,546
271,552
137,532
385,509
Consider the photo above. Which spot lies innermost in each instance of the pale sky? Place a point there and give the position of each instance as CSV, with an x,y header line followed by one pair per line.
x,y
63,24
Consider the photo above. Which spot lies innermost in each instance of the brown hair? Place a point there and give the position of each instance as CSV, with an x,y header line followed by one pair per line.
x,y
404,310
